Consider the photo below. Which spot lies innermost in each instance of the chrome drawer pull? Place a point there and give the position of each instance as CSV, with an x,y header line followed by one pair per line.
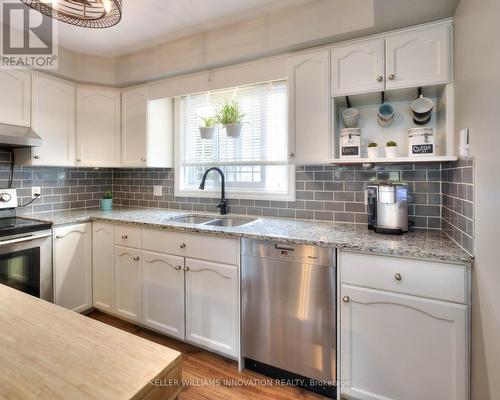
x,y
124,237
398,276
346,299
186,268
182,245
136,258
178,268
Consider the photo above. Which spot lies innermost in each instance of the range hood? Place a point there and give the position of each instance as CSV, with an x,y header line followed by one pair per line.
x,y
15,136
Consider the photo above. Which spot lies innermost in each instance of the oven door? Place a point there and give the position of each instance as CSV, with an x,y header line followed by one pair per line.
x,y
26,263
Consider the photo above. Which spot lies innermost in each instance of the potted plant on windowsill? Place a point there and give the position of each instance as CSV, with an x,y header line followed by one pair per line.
x,y
231,118
391,149
107,201
372,149
207,130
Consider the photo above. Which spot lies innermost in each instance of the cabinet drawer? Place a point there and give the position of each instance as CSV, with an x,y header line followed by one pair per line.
x,y
201,246
434,280
127,236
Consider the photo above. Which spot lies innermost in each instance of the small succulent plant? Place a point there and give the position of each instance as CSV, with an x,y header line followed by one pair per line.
x,y
391,143
229,113
372,144
107,195
209,122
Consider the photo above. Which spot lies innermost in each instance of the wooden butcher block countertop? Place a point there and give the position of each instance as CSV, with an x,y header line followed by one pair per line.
x,y
47,352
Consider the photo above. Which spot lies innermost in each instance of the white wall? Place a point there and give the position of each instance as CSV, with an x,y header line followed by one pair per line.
x,y
477,102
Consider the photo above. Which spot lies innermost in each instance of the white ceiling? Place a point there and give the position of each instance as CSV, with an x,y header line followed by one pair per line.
x,y
146,23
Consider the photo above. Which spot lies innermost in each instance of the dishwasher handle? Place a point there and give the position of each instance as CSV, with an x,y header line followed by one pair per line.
x,y
278,246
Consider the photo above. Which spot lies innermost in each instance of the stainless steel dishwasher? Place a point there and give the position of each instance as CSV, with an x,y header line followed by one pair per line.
x,y
288,309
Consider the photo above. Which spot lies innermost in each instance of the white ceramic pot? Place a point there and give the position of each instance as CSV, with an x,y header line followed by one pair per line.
x,y
207,133
391,151
372,152
233,130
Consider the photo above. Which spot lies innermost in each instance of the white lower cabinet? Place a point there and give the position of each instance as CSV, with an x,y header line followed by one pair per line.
x,y
72,265
212,305
127,274
395,346
103,292
163,293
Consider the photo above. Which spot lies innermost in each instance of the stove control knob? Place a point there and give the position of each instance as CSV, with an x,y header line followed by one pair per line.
x,y
5,197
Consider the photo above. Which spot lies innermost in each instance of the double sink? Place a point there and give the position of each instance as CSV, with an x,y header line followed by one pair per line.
x,y
212,221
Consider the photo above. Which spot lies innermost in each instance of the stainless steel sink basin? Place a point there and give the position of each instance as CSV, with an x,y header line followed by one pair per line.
x,y
193,219
229,222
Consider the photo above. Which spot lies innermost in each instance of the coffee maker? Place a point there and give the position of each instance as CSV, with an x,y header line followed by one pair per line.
x,y
388,207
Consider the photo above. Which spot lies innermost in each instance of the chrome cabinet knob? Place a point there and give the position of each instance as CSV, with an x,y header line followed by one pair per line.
x,y
346,299
124,237
59,237
136,258
398,276
36,157
178,268
391,77
380,78
78,159
186,268
143,158
182,245
291,154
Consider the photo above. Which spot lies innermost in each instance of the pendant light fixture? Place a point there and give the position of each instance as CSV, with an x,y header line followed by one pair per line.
x,y
84,13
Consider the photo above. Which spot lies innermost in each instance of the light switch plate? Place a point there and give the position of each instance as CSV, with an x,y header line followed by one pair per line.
x,y
157,190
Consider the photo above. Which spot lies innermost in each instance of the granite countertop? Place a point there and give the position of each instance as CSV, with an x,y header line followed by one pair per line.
x,y
418,244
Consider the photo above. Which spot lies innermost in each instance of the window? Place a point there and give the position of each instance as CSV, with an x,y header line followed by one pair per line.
x,y
255,164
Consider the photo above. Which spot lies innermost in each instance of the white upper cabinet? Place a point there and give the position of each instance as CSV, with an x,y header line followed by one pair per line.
x,y
73,267
147,130
15,101
98,124
54,121
310,138
418,58
358,67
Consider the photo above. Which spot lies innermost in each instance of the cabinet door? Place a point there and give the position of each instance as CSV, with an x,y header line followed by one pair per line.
x,y
73,267
103,266
98,127
15,101
128,283
418,58
134,127
390,343
358,67
163,293
309,108
54,121
212,306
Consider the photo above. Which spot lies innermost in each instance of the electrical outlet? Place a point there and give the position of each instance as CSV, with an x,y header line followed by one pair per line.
x,y
35,190
157,190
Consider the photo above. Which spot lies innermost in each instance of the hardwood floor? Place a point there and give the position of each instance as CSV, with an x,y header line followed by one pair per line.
x,y
206,374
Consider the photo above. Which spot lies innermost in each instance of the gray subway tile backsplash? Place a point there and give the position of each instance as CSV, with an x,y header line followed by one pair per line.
x,y
441,194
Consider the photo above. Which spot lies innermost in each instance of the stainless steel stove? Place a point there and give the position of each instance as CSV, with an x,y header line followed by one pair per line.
x,y
25,250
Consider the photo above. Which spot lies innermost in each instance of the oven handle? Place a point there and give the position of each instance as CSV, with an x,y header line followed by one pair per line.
x,y
24,239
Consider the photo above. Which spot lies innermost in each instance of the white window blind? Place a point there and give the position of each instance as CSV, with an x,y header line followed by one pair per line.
x,y
254,162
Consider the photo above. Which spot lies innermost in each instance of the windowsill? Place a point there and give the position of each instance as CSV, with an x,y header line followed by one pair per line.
x,y
237,195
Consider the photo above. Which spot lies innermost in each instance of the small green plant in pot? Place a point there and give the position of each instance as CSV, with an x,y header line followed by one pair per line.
x,y
391,149
207,128
107,201
230,116
372,149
